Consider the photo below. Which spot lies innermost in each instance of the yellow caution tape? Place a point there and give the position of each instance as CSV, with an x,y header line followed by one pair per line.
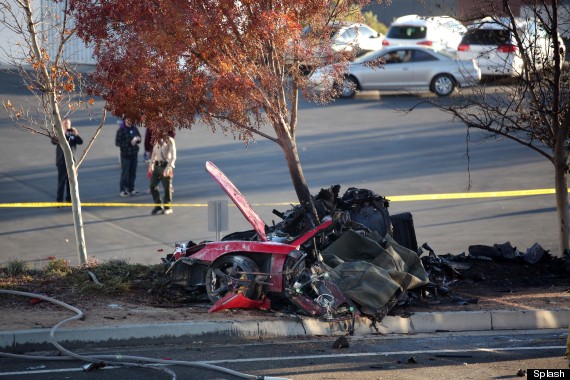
x,y
487,194
391,198
91,204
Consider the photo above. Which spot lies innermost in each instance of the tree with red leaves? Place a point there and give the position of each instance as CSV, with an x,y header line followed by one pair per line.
x,y
237,65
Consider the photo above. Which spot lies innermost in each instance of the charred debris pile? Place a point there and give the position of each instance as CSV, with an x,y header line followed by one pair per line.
x,y
500,268
364,261
362,211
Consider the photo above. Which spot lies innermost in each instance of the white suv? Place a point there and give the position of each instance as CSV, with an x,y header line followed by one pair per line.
x,y
347,36
439,32
492,43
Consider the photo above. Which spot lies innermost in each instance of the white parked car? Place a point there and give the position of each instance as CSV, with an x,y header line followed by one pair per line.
x,y
407,68
492,43
440,32
349,36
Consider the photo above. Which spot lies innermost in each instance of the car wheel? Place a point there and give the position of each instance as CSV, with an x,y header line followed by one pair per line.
x,y
232,274
443,85
349,87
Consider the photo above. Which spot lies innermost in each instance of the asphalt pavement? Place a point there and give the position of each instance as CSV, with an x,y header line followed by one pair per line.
x,y
366,142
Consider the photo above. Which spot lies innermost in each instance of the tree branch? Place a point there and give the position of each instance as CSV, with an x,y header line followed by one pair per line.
x,y
245,127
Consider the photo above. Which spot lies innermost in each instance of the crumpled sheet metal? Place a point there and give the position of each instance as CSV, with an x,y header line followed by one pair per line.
x,y
371,271
369,286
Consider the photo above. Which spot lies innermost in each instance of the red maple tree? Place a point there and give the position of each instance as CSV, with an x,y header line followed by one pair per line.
x,y
237,65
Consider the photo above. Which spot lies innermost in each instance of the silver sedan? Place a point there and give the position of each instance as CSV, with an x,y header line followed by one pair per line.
x,y
402,68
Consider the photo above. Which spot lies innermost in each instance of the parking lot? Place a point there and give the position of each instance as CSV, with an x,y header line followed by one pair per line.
x,y
365,142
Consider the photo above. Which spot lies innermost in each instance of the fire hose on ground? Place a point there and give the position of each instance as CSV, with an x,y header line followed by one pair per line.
x,y
100,361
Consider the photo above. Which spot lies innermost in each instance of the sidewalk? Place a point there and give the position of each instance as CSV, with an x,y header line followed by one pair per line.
x,y
246,324
115,320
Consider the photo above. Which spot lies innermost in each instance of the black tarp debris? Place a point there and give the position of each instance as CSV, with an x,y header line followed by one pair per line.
x,y
409,360
500,264
507,251
341,342
534,254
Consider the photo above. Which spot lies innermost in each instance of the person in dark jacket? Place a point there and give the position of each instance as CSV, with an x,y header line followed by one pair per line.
x,y
128,139
73,139
147,145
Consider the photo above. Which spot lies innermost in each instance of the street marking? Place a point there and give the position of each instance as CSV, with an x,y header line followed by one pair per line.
x,y
304,357
363,354
60,370
391,198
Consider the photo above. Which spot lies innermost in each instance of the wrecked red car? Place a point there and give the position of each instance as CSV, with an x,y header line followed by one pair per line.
x,y
282,266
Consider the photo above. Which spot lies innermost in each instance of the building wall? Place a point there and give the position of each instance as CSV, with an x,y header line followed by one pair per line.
x,y
471,10
563,17
75,51
386,13
463,10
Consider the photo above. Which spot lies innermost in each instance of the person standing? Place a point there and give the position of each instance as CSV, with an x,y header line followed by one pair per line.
x,y
161,168
73,139
147,145
128,139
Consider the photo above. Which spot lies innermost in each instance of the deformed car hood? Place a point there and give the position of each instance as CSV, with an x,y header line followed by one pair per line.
x,y
239,200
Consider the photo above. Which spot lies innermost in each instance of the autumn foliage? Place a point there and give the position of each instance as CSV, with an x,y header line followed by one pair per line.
x,y
236,65
169,61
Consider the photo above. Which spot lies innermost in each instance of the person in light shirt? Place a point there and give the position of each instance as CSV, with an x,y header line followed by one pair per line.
x,y
161,169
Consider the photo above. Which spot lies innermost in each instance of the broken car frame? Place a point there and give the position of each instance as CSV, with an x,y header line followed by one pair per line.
x,y
279,264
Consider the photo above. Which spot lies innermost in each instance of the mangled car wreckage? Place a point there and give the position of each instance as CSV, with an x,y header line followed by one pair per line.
x,y
357,261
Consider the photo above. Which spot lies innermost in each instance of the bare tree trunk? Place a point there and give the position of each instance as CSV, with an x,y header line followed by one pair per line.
x,y
75,199
55,119
560,152
73,183
77,216
298,179
289,147
560,161
561,187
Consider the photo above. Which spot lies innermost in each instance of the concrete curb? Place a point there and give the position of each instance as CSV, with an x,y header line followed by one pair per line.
x,y
417,323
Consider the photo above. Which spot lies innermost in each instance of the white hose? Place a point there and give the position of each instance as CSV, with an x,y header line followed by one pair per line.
x,y
120,360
